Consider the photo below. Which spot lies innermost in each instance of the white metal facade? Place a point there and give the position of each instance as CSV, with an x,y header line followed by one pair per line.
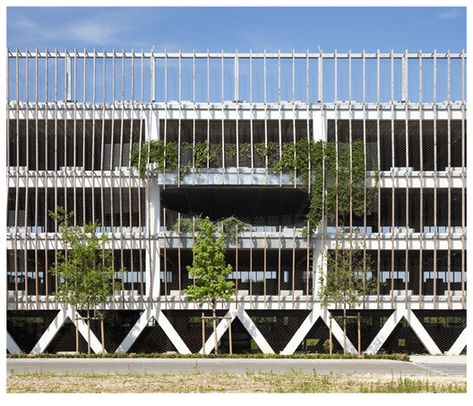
x,y
74,118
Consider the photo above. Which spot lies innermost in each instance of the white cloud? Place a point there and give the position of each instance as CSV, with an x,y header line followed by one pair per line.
x,y
94,32
95,29
450,14
445,13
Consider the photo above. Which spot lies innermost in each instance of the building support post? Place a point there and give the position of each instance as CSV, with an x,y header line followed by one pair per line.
x,y
153,223
152,248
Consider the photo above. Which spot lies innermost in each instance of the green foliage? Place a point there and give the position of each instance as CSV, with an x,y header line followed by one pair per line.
x,y
317,192
204,152
334,171
398,356
188,225
163,155
346,277
86,269
209,267
228,226
330,162
268,151
244,151
340,185
230,152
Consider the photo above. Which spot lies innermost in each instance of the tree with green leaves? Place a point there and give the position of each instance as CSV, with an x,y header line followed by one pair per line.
x,y
345,280
346,194
85,269
210,270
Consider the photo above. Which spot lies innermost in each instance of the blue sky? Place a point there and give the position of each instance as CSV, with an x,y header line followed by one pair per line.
x,y
242,28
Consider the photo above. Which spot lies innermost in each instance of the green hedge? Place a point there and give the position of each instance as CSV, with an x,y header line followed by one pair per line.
x,y
398,357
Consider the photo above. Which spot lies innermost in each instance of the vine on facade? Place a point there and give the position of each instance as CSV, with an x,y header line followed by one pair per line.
x,y
333,173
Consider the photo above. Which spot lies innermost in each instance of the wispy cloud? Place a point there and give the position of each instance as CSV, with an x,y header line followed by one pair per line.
x,y
94,32
450,14
444,14
92,29
90,32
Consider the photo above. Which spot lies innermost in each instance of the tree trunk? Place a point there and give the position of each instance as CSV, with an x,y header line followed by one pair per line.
x,y
88,330
77,332
344,327
214,322
102,333
359,332
203,333
330,343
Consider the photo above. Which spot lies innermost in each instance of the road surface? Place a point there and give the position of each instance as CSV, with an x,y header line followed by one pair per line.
x,y
421,367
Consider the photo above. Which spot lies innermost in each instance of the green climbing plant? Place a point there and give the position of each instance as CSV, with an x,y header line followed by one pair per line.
x,y
333,173
228,226
327,166
163,155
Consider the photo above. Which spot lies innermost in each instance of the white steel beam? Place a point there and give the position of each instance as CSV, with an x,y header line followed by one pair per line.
x,y
338,333
459,344
153,256
254,332
221,328
12,346
227,55
71,177
270,302
391,324
50,332
247,323
66,312
301,332
172,334
404,78
385,331
134,333
422,333
258,240
153,311
309,322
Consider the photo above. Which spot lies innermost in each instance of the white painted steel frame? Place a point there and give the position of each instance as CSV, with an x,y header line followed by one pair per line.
x,y
316,114
308,323
66,312
415,324
153,311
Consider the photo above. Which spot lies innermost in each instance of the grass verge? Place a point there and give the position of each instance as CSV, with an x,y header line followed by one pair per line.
x,y
249,382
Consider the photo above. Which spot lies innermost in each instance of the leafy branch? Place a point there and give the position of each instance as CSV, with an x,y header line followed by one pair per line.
x,y
333,173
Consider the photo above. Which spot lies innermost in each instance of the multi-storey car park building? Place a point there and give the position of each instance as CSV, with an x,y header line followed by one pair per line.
x,y
74,119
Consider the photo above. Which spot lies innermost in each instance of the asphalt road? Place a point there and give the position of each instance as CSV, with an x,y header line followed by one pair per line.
x,y
176,365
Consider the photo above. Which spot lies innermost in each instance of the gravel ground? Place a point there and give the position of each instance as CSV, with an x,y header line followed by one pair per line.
x,y
250,382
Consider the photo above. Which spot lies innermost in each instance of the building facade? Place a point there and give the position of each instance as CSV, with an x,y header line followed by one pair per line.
x,y
76,120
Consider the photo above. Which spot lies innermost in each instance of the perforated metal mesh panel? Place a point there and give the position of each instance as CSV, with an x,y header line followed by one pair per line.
x,y
225,125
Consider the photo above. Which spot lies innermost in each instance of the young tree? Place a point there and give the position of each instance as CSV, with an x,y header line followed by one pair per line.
x,y
345,280
345,195
210,270
85,269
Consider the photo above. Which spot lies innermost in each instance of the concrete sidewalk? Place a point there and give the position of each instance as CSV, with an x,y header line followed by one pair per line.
x,y
447,364
438,359
179,365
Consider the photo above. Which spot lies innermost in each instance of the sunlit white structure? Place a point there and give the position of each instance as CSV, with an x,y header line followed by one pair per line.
x,y
74,118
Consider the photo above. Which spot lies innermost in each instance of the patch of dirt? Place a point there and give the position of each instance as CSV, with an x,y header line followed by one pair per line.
x,y
198,382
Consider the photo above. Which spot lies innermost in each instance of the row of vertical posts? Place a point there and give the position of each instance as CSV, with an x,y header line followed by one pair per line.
x,y
22,105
